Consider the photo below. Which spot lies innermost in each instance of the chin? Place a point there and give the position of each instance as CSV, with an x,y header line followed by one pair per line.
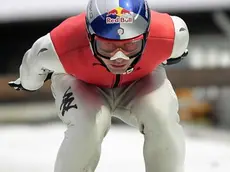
x,y
117,71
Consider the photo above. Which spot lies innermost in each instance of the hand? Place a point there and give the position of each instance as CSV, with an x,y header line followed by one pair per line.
x,y
175,60
18,86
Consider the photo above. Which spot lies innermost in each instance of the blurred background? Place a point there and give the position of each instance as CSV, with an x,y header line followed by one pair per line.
x,y
201,81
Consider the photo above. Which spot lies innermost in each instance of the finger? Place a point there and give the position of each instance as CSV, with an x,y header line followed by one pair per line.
x,y
18,81
17,88
12,84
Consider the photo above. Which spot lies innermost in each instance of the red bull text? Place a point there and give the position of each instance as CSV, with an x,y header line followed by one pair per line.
x,y
119,15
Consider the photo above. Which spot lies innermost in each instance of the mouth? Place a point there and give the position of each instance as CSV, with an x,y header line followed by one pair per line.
x,y
118,65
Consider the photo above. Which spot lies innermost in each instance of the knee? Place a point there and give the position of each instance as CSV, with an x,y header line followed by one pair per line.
x,y
89,126
158,116
82,138
80,132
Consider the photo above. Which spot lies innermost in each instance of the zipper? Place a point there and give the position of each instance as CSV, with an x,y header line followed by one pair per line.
x,y
118,78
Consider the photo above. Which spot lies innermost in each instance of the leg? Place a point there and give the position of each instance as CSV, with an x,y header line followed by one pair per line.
x,y
88,119
153,104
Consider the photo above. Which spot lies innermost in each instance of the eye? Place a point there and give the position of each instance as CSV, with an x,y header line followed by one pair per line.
x,y
107,47
130,46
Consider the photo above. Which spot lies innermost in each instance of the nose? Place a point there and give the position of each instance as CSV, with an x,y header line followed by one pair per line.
x,y
119,60
119,55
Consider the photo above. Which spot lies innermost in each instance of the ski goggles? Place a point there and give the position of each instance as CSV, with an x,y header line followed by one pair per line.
x,y
108,48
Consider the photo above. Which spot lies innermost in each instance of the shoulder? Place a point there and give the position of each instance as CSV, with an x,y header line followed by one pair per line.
x,y
181,38
70,34
74,22
43,55
161,25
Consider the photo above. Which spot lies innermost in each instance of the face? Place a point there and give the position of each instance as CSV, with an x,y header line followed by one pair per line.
x,y
118,66
118,55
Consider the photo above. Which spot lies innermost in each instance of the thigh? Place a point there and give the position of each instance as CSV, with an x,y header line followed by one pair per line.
x,y
151,96
79,103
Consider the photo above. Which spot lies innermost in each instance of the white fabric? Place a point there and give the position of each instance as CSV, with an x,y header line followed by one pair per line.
x,y
181,39
149,104
87,125
37,62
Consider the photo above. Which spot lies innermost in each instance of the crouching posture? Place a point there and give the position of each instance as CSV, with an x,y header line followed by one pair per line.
x,y
109,61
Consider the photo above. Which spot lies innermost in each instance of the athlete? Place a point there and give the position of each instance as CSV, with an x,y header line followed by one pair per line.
x,y
109,61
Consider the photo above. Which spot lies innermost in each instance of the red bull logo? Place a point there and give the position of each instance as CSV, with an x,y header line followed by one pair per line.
x,y
119,15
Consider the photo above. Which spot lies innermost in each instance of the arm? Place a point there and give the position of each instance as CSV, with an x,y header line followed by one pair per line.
x,y
181,41
38,62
